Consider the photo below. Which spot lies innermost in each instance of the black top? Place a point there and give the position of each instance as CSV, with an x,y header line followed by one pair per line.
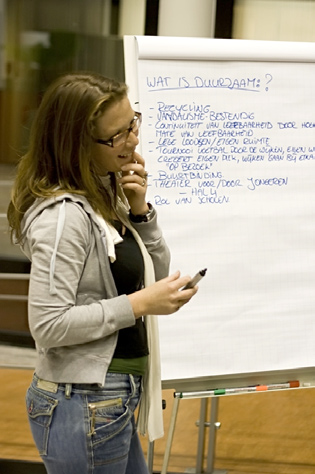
x,y
128,273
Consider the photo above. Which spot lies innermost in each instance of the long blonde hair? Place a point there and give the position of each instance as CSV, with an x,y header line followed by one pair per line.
x,y
59,158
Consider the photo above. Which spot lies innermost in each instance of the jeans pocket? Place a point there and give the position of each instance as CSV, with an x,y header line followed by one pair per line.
x,y
104,413
40,408
110,430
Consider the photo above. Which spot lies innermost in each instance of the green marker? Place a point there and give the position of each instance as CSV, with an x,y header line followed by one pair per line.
x,y
219,391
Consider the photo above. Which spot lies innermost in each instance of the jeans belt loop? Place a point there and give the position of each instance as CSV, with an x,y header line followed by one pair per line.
x,y
68,390
133,385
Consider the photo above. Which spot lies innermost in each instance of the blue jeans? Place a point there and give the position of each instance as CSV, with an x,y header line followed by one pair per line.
x,y
85,429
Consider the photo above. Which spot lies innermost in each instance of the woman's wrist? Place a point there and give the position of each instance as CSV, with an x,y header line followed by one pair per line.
x,y
144,216
138,304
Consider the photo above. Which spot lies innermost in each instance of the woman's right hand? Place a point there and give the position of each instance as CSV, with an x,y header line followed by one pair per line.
x,y
163,297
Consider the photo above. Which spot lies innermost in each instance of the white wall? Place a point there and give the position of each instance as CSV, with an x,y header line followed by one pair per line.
x,y
283,20
132,17
187,18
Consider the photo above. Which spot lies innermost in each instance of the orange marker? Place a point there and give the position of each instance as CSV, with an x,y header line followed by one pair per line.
x,y
278,386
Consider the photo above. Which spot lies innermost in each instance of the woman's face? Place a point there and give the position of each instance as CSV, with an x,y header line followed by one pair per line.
x,y
116,119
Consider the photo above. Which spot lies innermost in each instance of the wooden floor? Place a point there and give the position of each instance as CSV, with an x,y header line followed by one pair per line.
x,y
259,433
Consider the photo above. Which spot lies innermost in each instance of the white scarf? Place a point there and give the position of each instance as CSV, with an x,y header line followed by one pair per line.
x,y
150,419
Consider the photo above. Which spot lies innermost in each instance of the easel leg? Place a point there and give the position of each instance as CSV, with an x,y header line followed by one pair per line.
x,y
170,436
150,456
201,435
212,438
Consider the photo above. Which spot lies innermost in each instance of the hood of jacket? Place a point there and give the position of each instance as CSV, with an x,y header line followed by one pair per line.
x,y
41,204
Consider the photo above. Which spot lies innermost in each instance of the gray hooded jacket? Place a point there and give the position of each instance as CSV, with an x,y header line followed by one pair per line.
x,y
74,310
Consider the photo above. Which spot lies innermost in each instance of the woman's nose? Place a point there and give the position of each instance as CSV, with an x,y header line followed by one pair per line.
x,y
133,138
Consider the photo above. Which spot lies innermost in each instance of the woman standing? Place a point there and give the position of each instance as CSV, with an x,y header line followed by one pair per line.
x,y
99,267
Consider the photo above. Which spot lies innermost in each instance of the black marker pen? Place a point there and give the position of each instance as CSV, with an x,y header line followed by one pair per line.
x,y
195,280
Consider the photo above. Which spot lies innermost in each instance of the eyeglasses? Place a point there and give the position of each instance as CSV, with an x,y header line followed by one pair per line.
x,y
122,137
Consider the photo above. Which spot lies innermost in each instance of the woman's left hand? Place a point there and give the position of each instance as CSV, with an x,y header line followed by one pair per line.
x,y
134,183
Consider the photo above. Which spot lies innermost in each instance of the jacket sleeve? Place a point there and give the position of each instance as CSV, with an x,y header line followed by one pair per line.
x,y
153,239
56,317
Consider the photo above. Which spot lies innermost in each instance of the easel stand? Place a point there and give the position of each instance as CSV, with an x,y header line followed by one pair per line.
x,y
213,426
